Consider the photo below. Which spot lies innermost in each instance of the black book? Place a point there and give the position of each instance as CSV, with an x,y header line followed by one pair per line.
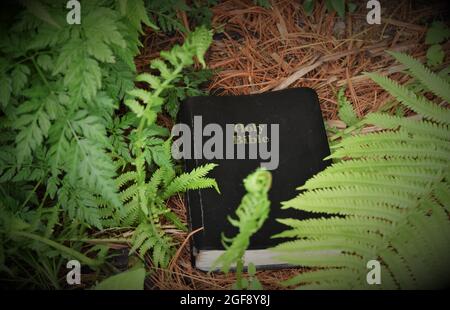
x,y
301,143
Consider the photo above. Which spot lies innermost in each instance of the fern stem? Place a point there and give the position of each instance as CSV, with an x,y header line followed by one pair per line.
x,y
39,211
52,221
75,254
100,240
156,95
347,130
9,67
141,171
41,75
30,194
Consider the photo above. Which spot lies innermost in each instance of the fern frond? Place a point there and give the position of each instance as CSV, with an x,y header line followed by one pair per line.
x,y
346,112
394,149
251,214
383,137
199,41
97,170
381,165
129,192
59,90
357,236
126,177
145,194
192,180
376,194
347,275
424,174
362,207
391,193
319,258
423,127
131,214
146,237
304,228
442,193
369,179
154,183
419,104
430,80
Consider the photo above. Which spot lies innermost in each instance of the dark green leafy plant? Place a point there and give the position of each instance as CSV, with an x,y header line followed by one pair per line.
x,y
56,104
388,197
346,112
166,13
338,6
145,188
263,3
71,161
187,85
132,279
251,215
436,34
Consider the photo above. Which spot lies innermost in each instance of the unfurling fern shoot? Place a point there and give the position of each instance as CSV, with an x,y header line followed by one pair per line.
x,y
251,215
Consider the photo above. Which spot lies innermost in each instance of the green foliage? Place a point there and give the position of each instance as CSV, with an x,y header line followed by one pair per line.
x,y
251,283
420,104
73,159
132,279
338,6
56,104
188,85
387,198
435,55
251,215
346,112
436,34
145,188
432,82
147,214
263,3
165,13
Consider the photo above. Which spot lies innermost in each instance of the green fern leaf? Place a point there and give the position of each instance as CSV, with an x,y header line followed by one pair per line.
x,y
147,237
425,128
97,170
192,180
5,90
33,123
251,214
430,80
135,11
346,112
387,187
419,104
396,149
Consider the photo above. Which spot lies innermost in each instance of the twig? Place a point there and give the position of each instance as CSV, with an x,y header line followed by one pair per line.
x,y
175,257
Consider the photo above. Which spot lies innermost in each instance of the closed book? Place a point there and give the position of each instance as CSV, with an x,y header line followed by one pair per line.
x,y
291,136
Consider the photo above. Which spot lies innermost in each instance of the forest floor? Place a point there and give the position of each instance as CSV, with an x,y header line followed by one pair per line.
x,y
259,50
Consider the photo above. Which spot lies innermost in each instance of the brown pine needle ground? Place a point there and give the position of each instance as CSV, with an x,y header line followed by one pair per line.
x,y
261,50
